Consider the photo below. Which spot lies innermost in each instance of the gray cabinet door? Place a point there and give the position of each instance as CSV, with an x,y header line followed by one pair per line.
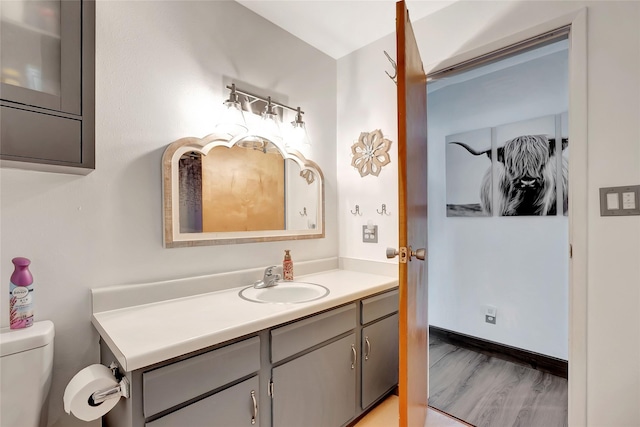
x,y
42,54
47,84
317,389
379,359
235,406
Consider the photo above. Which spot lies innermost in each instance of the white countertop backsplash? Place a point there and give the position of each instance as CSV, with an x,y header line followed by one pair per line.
x,y
156,329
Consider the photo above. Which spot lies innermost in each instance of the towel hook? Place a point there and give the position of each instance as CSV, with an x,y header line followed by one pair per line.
x,y
384,210
395,68
357,212
304,212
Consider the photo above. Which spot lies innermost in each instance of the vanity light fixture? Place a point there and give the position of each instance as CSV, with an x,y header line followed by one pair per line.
x,y
299,133
268,124
233,121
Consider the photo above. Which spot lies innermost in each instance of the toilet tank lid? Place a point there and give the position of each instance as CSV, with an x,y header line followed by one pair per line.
x,y
18,340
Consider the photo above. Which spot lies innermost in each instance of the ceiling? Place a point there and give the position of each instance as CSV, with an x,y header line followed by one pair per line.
x,y
338,27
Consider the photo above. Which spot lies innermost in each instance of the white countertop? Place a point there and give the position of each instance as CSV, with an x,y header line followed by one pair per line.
x,y
146,334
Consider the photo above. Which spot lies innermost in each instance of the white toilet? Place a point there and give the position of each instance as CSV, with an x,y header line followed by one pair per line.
x,y
26,362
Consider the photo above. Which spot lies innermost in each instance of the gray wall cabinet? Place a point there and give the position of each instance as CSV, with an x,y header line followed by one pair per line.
x,y
47,92
323,370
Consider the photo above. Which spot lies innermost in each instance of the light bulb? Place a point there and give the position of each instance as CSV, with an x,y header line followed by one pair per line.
x,y
232,120
269,123
297,135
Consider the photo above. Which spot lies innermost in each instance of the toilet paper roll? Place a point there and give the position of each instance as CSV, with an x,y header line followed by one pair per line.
x,y
89,380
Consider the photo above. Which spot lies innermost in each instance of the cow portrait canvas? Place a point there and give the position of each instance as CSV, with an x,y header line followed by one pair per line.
x,y
465,173
526,169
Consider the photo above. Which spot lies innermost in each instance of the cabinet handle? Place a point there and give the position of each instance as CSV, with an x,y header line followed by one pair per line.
x,y
255,407
367,348
354,356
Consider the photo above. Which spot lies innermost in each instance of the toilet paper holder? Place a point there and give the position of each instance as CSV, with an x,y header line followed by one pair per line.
x,y
121,390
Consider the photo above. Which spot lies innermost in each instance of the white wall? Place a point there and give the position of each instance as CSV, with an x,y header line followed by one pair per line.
x,y
160,68
517,264
366,102
613,276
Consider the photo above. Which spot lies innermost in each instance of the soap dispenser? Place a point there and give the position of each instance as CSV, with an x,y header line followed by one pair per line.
x,y
287,266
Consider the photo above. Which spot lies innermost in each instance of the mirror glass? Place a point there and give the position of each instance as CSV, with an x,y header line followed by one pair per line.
x,y
223,190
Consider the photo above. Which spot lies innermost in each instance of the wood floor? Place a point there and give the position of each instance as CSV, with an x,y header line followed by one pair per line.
x,y
386,415
489,392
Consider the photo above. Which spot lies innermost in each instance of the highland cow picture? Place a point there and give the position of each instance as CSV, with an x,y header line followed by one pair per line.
x,y
526,170
467,173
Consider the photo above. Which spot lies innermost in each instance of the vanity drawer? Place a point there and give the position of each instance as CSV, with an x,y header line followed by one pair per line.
x,y
234,406
296,337
173,384
379,306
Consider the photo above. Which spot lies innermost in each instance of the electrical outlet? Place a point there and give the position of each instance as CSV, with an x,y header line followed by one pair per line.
x,y
490,314
370,233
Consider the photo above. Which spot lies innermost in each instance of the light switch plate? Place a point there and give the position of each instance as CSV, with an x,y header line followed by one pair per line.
x,y
620,201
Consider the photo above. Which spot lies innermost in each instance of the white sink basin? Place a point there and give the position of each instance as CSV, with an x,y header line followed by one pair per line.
x,y
285,293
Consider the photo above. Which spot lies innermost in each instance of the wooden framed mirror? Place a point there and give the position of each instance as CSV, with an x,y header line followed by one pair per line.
x,y
225,190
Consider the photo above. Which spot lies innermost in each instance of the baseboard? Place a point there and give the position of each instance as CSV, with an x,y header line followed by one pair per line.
x,y
540,362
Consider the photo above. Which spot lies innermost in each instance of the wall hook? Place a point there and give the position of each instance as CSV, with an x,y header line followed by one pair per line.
x,y
357,212
395,68
304,212
384,210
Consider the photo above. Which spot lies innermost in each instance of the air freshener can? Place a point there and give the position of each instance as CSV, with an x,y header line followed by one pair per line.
x,y
21,295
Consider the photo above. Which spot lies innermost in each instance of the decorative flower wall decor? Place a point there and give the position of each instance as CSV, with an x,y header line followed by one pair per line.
x,y
370,153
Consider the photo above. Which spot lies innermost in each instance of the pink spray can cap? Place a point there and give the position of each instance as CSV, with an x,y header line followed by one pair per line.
x,y
21,275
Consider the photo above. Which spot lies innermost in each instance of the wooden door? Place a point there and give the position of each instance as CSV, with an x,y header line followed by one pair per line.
x,y
412,190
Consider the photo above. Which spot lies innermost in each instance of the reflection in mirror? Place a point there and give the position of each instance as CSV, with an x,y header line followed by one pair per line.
x,y
226,193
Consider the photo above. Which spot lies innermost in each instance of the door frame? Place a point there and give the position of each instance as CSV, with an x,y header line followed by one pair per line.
x,y
578,189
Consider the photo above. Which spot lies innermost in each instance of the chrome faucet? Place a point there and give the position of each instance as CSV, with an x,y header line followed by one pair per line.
x,y
269,279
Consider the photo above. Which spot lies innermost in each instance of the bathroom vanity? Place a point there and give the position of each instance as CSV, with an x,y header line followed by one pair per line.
x,y
234,362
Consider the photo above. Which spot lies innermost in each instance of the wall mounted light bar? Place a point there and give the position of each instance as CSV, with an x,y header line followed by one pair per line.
x,y
234,121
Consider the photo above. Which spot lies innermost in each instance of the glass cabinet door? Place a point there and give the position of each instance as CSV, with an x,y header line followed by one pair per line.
x,y
40,53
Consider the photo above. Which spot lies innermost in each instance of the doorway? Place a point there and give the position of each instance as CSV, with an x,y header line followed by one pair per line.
x,y
498,236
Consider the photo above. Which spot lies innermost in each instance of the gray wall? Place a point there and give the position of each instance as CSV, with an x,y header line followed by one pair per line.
x,y
160,68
